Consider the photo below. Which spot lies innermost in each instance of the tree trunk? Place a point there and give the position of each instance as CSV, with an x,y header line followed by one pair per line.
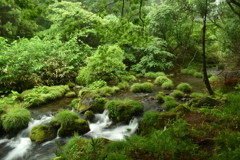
x,y
205,76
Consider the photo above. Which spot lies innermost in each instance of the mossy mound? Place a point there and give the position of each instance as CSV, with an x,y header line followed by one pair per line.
x,y
146,87
168,85
178,94
165,118
15,120
123,110
89,115
79,126
43,94
148,122
153,74
184,87
70,94
42,133
98,105
161,79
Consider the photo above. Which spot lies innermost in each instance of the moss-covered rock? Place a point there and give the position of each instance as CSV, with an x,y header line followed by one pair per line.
x,y
161,79
184,87
54,123
98,105
89,115
79,126
15,120
42,133
70,94
123,110
168,85
146,87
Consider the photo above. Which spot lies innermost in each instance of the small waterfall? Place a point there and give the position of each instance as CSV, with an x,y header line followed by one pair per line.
x,y
101,129
21,144
22,148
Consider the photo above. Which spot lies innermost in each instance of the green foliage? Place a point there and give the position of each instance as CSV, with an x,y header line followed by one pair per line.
x,y
178,94
106,91
146,87
15,119
160,97
170,102
148,122
161,79
168,85
106,64
41,95
66,117
123,110
198,95
184,87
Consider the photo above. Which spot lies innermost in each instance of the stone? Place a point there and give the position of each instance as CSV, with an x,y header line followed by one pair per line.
x,y
42,133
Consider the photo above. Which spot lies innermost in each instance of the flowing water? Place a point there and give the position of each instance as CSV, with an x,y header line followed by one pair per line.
x,y
21,147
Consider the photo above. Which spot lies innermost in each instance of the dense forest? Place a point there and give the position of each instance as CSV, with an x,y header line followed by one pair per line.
x,y
120,79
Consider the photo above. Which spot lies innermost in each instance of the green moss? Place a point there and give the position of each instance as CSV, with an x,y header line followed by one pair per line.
x,y
54,123
148,122
15,120
79,126
71,85
198,95
178,94
154,74
43,94
106,91
168,85
184,87
170,102
188,71
70,94
42,133
165,118
198,74
160,98
98,105
128,78
66,117
89,115
161,79
123,85
123,110
146,87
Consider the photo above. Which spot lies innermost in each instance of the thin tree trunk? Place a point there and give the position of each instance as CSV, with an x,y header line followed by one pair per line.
x,y
205,77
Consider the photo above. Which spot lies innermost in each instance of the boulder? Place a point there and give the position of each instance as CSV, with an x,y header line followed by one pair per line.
x,y
42,133
79,126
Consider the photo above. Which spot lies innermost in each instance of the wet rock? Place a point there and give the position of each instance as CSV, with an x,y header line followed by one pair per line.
x,y
79,126
42,133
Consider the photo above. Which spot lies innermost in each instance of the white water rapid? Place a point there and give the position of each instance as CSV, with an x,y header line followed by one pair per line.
x,y
22,148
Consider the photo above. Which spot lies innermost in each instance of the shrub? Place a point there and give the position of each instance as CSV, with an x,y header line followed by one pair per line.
x,y
106,64
66,117
146,87
168,85
178,94
184,87
123,110
97,84
161,79
15,119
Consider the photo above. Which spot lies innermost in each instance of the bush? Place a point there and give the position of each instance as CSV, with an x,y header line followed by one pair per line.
x,y
178,94
161,79
66,117
106,64
146,87
15,119
168,85
123,110
184,87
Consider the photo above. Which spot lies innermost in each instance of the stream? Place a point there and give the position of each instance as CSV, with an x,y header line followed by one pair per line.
x,y
21,147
